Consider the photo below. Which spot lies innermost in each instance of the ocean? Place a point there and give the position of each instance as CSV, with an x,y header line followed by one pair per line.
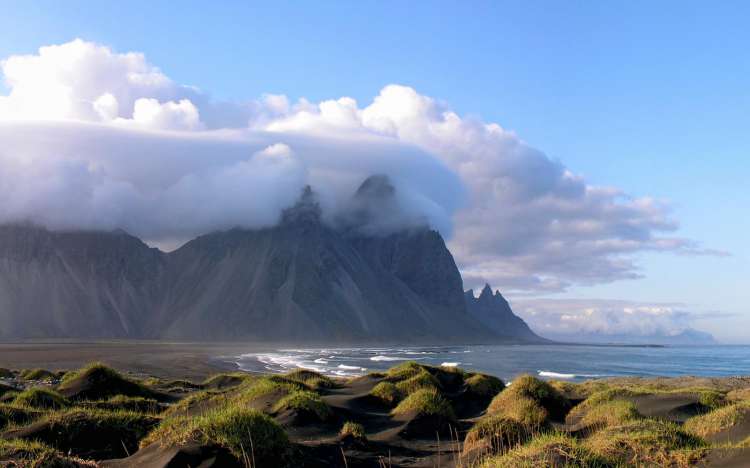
x,y
566,362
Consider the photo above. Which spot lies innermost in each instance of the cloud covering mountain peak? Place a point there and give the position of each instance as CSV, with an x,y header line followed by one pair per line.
x,y
93,138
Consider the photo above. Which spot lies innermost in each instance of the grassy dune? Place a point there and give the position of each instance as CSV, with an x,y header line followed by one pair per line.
x,y
438,415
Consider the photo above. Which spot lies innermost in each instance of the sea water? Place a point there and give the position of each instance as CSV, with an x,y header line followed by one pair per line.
x,y
566,362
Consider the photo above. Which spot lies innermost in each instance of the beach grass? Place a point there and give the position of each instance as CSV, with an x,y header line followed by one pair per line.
x,y
246,433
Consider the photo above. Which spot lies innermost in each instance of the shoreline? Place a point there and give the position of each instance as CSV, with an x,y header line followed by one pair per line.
x,y
197,360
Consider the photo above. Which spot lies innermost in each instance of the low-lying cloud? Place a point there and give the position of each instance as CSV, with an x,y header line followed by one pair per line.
x,y
605,317
96,139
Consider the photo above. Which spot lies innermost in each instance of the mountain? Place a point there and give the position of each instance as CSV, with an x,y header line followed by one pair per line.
x,y
493,311
356,279
78,284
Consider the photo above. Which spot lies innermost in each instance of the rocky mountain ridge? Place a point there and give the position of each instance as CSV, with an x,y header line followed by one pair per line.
x,y
302,280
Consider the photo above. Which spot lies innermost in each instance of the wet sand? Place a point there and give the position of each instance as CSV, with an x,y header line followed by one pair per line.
x,y
192,361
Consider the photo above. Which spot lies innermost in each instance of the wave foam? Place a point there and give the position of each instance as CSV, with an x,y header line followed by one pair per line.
x,y
558,375
379,358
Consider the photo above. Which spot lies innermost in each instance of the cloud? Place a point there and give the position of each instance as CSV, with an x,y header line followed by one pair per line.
x,y
530,223
99,139
603,317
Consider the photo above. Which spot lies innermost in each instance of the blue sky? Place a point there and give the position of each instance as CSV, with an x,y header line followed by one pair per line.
x,y
649,97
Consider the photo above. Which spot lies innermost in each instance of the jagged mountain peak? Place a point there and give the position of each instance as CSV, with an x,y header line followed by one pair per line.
x,y
493,310
302,280
486,292
376,187
305,211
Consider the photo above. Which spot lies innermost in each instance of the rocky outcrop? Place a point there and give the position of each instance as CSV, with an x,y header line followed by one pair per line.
x,y
493,311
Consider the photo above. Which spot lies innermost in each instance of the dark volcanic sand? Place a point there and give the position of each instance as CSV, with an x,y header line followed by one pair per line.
x,y
193,361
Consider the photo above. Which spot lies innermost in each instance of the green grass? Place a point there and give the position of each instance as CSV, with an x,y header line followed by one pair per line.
x,y
248,434
387,393
91,432
522,409
305,401
549,450
34,454
426,402
609,414
526,387
404,371
227,379
712,399
483,385
42,398
127,403
530,401
268,385
718,420
352,430
495,435
37,374
311,379
97,381
208,400
12,415
87,369
647,442
72,419
599,398
423,379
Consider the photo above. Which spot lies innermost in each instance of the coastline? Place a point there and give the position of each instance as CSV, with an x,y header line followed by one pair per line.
x,y
399,423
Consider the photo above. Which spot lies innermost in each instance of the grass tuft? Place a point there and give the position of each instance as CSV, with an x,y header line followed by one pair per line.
x,y
609,414
244,432
426,402
404,371
423,379
387,393
353,431
22,453
12,415
269,385
530,401
304,401
647,442
311,379
549,450
97,381
127,403
495,435
225,380
37,375
599,398
42,398
706,425
483,385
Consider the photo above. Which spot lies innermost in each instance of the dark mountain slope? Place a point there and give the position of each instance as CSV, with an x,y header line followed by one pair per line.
x,y
55,284
303,280
372,275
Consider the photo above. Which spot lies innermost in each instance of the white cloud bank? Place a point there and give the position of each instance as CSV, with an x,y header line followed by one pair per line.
x,y
97,139
578,318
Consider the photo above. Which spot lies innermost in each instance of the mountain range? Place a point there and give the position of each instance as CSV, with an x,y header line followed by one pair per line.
x,y
359,278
